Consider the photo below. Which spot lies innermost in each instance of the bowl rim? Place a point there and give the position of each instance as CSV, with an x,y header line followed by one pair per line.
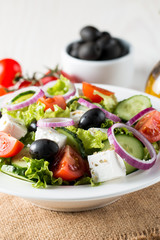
x,y
99,62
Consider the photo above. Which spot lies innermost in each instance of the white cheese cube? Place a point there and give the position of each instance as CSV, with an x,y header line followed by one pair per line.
x,y
50,133
76,115
94,130
12,126
106,165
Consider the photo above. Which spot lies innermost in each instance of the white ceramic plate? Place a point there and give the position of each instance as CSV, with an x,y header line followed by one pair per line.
x,y
85,197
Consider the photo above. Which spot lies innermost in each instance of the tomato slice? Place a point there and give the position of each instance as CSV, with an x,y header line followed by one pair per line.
x,y
149,126
50,102
9,146
70,166
88,91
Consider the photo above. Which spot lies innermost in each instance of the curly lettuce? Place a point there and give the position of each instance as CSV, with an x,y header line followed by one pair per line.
x,y
61,87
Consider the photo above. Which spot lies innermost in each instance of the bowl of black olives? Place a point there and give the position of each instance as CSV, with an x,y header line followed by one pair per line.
x,y
98,57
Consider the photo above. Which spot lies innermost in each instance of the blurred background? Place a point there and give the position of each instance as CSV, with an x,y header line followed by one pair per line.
x,y
34,31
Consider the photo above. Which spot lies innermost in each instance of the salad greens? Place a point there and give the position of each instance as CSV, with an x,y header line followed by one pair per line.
x,y
75,144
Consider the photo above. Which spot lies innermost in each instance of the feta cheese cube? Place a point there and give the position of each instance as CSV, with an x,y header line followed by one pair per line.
x,y
106,165
94,130
76,115
50,133
12,126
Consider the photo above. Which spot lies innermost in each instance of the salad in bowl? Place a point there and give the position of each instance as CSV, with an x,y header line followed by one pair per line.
x,y
62,134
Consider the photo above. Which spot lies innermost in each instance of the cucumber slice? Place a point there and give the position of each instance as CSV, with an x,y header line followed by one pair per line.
x,y
17,161
132,145
129,107
14,172
73,140
23,96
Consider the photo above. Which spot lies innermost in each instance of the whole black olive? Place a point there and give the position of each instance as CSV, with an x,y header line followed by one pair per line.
x,y
75,49
89,33
89,51
92,118
111,50
103,40
0,114
33,126
44,149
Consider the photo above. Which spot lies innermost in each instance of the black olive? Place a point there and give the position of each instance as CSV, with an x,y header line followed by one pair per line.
x,y
92,118
33,126
89,51
44,149
75,49
89,33
103,40
0,114
111,50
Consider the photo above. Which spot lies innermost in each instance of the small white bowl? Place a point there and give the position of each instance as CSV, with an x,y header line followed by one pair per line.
x,y
116,72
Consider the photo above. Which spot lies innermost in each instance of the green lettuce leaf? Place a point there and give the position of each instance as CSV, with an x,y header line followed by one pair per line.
x,y
108,102
36,111
91,142
86,180
37,170
146,152
29,138
4,161
60,88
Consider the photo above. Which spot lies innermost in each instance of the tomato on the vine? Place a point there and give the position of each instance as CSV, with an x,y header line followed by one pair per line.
x,y
9,70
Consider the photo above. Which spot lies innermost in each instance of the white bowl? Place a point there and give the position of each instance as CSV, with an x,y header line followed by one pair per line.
x,y
85,197
116,72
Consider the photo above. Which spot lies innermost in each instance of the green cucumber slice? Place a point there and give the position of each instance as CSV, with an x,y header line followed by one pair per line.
x,y
129,107
15,172
132,145
17,161
73,140
22,97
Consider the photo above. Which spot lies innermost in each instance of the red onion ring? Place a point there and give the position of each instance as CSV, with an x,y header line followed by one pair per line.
x,y
55,122
70,93
135,162
109,115
139,115
38,93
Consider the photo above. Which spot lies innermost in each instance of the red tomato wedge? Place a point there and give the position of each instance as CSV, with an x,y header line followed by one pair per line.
x,y
9,146
70,166
50,102
149,126
88,91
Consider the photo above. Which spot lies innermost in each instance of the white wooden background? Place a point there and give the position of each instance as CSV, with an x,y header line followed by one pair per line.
x,y
34,31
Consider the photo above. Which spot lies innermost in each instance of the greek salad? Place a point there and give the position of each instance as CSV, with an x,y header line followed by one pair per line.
x,y
58,134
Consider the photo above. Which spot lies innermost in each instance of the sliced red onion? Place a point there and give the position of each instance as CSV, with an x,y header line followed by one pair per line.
x,y
139,115
135,162
109,115
38,93
55,122
71,92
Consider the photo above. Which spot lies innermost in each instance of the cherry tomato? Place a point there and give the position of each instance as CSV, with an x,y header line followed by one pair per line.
x,y
2,91
149,126
9,69
88,91
48,78
9,146
70,166
72,78
50,102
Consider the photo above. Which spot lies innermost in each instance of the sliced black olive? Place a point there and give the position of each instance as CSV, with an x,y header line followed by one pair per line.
x,y
89,51
44,149
89,33
92,118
